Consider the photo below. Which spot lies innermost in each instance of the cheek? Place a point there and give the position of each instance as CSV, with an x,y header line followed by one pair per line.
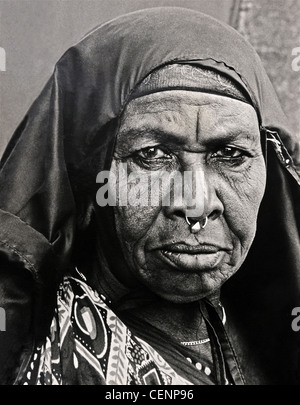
x,y
137,218
134,223
242,196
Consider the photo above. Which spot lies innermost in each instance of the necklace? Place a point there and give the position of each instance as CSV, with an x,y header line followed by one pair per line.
x,y
202,341
195,342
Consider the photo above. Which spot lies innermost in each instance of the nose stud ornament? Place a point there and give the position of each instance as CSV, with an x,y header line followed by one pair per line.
x,y
196,227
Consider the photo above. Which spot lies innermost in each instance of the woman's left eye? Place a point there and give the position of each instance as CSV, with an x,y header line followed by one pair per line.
x,y
152,153
229,153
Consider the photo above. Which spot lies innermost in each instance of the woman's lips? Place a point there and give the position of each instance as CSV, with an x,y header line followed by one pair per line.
x,y
190,249
198,258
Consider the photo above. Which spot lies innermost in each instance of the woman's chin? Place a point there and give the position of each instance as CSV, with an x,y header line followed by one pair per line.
x,y
181,298
181,294
184,284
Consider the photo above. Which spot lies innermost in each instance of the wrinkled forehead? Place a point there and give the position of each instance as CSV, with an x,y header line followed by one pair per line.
x,y
178,100
181,113
186,95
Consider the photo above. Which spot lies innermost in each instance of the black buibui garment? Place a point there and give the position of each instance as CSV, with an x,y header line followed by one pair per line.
x,y
48,186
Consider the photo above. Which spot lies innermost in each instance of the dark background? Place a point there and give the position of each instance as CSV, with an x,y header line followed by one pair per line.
x,y
35,33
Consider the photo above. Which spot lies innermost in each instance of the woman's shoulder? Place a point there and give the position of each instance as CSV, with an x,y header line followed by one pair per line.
x,y
93,346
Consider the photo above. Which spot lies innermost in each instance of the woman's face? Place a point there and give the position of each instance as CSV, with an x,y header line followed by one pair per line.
x,y
186,131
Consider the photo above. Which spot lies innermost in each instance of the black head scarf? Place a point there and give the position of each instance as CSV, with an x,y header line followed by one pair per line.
x,y
48,172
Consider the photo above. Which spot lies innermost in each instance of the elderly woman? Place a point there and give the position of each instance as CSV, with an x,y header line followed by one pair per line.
x,y
130,293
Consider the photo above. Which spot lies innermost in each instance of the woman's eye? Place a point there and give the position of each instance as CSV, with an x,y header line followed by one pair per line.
x,y
153,153
152,158
229,153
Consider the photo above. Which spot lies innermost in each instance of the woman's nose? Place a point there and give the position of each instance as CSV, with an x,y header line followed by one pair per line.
x,y
200,200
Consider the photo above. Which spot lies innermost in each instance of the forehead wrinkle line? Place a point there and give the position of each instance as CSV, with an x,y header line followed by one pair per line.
x,y
162,105
134,133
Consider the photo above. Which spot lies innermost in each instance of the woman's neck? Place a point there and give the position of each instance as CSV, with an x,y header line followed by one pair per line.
x,y
183,322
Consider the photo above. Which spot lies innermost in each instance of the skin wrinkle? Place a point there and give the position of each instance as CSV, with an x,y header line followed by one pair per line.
x,y
142,229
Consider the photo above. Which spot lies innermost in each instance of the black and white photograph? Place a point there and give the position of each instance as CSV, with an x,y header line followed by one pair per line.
x,y
150,195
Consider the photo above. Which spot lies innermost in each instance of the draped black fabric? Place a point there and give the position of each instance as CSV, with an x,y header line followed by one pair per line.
x,y
48,185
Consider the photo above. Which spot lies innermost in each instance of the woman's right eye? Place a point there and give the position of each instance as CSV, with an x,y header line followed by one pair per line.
x,y
152,158
152,153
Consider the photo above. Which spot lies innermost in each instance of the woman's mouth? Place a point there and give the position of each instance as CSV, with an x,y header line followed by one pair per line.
x,y
199,258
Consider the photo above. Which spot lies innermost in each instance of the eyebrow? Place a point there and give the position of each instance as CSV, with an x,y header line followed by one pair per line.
x,y
164,137
157,134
